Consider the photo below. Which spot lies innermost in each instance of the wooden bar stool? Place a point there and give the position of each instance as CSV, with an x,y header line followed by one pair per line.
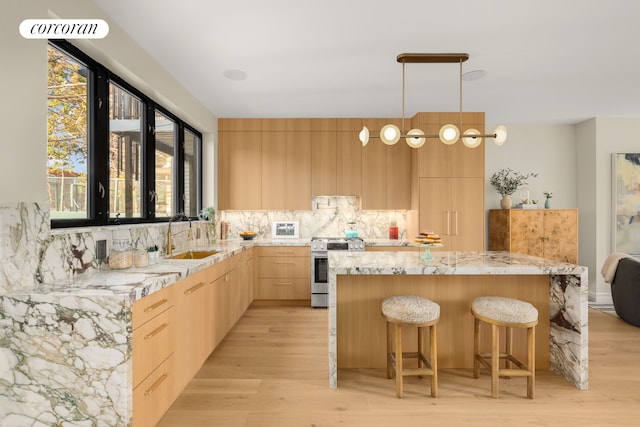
x,y
419,313
510,313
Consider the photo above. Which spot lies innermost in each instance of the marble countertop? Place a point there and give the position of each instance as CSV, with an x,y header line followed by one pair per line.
x,y
135,283
410,262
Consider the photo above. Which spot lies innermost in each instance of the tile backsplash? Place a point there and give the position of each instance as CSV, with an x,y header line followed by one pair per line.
x,y
32,254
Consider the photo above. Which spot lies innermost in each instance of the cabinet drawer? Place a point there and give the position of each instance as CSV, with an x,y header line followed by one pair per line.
x,y
284,267
153,342
150,306
154,395
285,251
284,289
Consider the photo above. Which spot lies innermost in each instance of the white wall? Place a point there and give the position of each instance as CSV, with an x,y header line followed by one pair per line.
x,y
548,150
24,109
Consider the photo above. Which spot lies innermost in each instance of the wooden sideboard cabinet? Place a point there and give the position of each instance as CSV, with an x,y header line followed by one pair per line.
x,y
548,233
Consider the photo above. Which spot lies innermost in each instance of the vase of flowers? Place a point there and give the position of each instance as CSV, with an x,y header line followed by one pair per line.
x,y
209,214
547,202
506,182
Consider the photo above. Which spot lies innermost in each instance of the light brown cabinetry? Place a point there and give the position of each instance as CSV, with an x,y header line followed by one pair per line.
x,y
323,152
386,170
240,166
454,209
348,157
195,322
153,344
286,164
549,233
283,273
436,159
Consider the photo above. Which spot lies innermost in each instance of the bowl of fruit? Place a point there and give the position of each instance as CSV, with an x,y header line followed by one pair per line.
x,y
248,235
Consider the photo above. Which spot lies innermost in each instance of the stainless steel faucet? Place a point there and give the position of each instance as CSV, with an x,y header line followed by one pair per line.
x,y
181,217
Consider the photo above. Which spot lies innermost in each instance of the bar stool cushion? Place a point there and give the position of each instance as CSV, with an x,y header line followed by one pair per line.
x,y
507,310
410,309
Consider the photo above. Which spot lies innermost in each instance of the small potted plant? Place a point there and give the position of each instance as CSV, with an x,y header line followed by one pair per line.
x,y
154,254
547,203
506,182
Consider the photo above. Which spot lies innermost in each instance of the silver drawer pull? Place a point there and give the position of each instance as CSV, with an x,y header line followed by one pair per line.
x,y
156,331
156,305
156,385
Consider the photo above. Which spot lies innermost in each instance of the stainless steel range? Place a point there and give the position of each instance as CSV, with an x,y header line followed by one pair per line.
x,y
320,248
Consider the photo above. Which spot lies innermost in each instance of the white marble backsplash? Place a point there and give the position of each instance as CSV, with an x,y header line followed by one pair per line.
x,y
31,253
329,217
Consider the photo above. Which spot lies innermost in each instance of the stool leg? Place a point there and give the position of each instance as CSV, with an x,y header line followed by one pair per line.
x,y
508,346
434,361
420,346
389,350
476,347
495,360
398,330
531,361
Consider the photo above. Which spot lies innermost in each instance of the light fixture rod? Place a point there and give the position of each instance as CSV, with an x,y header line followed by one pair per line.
x,y
487,135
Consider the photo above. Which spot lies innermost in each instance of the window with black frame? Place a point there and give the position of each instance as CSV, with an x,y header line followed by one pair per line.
x,y
114,155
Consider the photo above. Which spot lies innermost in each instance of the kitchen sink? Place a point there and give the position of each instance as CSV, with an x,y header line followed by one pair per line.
x,y
193,255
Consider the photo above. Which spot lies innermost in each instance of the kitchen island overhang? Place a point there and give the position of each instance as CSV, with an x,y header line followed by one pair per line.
x,y
565,302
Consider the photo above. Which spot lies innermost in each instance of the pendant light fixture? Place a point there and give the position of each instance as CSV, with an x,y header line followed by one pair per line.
x,y
449,133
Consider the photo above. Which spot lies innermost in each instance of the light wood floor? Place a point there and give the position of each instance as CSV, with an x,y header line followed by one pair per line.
x,y
271,370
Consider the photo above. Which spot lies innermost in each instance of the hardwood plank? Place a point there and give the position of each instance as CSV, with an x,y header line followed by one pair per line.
x,y
244,384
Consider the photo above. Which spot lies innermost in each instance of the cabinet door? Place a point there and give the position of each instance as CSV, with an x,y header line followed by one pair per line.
x,y
527,232
298,164
349,157
240,170
561,235
323,153
454,209
436,159
223,311
274,170
467,214
193,336
435,199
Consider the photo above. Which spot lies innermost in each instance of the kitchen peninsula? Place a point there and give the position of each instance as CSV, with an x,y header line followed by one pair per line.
x,y
358,282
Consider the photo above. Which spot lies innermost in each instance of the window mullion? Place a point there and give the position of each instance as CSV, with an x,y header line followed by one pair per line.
x,y
99,149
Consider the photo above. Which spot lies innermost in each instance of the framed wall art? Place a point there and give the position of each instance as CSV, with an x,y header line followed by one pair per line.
x,y
625,192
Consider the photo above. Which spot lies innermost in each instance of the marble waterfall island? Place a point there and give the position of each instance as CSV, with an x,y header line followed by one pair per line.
x,y
359,281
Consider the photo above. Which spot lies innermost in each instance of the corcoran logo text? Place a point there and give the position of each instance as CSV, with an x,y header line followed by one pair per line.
x,y
64,29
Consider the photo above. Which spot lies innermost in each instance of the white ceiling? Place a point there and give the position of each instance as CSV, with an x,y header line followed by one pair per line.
x,y
547,61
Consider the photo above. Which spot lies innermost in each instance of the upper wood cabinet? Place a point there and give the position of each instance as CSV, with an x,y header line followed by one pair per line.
x,y
386,170
436,159
349,157
240,170
324,150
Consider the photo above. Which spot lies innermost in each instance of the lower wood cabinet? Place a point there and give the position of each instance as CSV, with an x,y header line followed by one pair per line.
x,y
283,273
153,347
176,329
